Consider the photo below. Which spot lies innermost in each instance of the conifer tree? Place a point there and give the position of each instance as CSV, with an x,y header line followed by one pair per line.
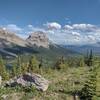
x,y
89,59
81,62
89,89
60,64
19,65
41,63
3,70
14,70
24,68
33,64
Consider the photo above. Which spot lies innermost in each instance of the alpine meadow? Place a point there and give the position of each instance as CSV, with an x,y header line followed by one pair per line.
x,y
49,49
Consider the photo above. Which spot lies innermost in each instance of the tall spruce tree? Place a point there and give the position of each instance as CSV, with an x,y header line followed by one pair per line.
x,y
41,63
3,70
60,64
14,70
89,59
81,62
33,64
89,89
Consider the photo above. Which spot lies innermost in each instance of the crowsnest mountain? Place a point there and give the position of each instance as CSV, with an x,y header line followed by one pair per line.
x,y
39,39
37,43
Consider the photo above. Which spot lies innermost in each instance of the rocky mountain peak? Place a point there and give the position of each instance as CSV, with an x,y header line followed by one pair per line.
x,y
38,38
7,38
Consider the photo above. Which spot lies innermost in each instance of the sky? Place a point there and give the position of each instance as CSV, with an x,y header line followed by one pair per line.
x,y
64,21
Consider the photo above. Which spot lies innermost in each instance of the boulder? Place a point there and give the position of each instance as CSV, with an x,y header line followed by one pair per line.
x,y
29,79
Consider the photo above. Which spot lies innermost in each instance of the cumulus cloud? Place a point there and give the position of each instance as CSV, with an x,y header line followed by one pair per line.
x,y
53,25
30,26
68,34
75,33
13,27
82,26
92,38
68,27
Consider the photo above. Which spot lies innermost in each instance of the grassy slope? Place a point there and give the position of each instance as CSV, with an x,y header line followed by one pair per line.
x,y
61,85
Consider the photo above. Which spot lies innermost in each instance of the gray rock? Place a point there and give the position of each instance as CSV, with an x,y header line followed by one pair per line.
x,y
30,80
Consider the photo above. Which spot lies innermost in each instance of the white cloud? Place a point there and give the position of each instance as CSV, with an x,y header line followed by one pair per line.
x,y
82,26
68,27
53,25
75,33
30,26
13,28
91,38
69,34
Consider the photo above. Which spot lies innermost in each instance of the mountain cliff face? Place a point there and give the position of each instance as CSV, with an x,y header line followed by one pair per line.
x,y
11,44
39,39
8,38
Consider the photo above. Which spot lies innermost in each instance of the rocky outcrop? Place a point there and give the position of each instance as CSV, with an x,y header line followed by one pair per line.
x,y
38,38
28,80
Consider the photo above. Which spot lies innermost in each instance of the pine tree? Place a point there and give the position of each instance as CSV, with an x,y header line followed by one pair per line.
x,y
14,70
33,64
24,68
89,89
60,64
3,70
17,67
19,60
81,62
41,63
89,59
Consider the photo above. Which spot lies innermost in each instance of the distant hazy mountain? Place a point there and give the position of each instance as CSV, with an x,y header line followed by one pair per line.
x,y
84,48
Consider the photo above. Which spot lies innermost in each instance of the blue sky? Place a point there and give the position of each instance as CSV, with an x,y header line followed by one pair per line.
x,y
37,12
24,16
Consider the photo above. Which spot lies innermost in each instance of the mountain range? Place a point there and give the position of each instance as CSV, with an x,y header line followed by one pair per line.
x,y
36,43
83,49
